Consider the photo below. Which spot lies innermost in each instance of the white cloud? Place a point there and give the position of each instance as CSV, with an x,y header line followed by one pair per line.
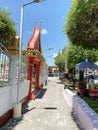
x,y
54,55
44,31
6,7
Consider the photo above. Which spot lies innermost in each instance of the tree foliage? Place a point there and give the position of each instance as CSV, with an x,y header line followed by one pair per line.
x,y
82,23
73,55
60,61
7,27
78,54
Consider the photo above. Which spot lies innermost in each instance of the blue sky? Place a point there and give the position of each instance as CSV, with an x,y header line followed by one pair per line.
x,y
50,15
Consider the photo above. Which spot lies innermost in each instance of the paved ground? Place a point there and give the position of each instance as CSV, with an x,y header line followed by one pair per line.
x,y
48,111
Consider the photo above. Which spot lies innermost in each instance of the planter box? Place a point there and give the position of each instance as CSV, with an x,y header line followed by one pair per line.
x,y
93,93
81,91
87,117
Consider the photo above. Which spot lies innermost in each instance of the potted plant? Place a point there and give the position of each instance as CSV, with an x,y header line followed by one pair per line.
x,y
93,92
81,87
67,84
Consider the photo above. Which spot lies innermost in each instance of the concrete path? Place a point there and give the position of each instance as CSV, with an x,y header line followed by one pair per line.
x,y
48,111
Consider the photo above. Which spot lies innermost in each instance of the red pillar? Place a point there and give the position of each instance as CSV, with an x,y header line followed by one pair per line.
x,y
37,75
30,70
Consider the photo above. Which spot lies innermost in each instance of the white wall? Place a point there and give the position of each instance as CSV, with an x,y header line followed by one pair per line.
x,y
8,95
43,74
5,98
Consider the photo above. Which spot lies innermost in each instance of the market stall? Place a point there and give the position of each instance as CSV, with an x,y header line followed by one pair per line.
x,y
85,86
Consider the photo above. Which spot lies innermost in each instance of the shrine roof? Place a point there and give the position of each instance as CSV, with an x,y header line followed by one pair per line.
x,y
34,42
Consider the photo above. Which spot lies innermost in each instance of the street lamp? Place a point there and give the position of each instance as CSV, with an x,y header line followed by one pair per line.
x,y
49,49
20,43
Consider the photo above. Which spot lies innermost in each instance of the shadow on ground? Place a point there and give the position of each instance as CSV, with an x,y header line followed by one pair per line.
x,y
10,124
60,82
41,94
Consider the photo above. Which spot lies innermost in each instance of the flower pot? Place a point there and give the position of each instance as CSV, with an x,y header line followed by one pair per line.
x,y
81,91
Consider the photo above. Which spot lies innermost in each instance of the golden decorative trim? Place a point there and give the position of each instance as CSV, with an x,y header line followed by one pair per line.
x,y
34,53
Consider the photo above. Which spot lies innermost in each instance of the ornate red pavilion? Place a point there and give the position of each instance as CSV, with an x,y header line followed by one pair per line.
x,y
35,59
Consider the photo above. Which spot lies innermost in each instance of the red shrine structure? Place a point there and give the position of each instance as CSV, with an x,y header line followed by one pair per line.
x,y
36,60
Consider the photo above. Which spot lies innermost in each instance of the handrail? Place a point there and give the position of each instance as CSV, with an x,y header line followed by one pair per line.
x,y
5,50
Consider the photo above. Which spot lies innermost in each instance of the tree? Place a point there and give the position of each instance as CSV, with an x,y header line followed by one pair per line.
x,y
73,55
7,27
82,23
60,62
78,54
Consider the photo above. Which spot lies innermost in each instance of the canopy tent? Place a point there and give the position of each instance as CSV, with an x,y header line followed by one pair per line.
x,y
86,65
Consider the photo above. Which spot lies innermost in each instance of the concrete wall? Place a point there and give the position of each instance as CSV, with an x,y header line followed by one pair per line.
x,y
5,99
8,95
87,117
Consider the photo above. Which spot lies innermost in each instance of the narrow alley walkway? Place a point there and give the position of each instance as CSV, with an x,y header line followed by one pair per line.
x,y
48,111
